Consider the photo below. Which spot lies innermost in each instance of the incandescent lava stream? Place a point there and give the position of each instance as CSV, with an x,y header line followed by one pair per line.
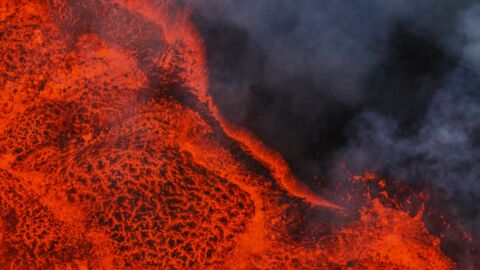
x,y
113,156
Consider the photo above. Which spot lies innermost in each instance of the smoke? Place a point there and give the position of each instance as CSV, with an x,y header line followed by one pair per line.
x,y
444,152
386,85
296,72
469,37
312,39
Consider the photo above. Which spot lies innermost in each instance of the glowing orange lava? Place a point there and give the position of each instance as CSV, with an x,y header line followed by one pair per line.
x,y
113,156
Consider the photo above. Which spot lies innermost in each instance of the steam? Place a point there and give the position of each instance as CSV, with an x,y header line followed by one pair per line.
x,y
314,40
301,75
469,35
445,151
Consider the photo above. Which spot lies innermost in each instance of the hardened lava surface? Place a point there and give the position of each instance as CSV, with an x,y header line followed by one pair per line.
x,y
112,156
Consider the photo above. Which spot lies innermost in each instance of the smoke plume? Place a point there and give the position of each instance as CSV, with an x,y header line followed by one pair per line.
x,y
389,86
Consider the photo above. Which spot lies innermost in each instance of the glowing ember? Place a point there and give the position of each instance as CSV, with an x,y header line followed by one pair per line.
x,y
113,156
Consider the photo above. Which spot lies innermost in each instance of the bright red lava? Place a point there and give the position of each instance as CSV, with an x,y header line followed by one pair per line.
x,y
113,156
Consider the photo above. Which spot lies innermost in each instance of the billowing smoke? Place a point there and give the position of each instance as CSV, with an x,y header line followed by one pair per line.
x,y
390,86
444,148
444,151
468,37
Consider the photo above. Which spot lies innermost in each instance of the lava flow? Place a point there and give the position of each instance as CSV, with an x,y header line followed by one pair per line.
x,y
113,156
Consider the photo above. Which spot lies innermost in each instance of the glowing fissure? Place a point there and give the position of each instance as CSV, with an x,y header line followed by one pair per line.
x,y
195,63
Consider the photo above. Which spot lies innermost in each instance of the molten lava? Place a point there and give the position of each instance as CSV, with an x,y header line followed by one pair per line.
x,y
113,156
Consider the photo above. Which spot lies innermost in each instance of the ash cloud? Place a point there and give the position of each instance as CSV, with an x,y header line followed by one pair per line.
x,y
296,72
445,151
313,39
387,85
468,38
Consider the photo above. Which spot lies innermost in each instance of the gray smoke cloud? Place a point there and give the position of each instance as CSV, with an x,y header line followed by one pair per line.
x,y
468,36
336,44
285,68
445,149
331,42
295,70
